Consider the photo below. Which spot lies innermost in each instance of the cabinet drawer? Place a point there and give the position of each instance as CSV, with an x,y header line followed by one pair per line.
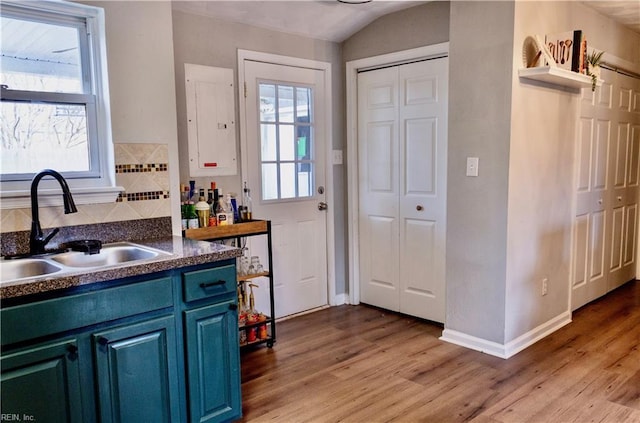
x,y
57,315
209,282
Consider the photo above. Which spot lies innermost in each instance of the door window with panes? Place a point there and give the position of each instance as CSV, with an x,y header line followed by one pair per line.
x,y
286,141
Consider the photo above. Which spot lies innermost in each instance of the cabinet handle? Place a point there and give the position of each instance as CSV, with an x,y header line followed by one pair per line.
x,y
72,349
210,284
103,341
233,306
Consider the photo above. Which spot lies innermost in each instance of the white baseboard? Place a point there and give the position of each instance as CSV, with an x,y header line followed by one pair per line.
x,y
512,347
340,299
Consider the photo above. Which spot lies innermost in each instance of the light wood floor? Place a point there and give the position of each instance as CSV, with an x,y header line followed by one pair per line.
x,y
361,364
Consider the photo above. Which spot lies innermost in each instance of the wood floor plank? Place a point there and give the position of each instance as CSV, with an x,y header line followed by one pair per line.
x,y
629,393
362,364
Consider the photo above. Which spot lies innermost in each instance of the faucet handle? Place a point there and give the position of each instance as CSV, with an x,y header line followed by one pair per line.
x,y
51,235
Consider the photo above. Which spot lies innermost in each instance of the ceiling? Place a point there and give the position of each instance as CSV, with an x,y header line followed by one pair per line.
x,y
320,19
334,21
624,12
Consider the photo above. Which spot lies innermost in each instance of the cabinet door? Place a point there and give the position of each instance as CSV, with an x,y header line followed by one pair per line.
x,y
213,359
42,384
137,373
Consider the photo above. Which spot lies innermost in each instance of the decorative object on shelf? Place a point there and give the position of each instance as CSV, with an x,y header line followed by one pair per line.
x,y
531,53
593,69
568,50
540,64
536,54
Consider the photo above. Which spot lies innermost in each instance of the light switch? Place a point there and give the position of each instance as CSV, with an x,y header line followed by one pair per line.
x,y
472,166
337,157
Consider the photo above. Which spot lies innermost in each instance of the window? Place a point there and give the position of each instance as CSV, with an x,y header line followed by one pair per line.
x,y
54,111
286,141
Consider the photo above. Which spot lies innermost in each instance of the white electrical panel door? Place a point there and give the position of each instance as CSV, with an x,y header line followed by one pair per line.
x,y
210,121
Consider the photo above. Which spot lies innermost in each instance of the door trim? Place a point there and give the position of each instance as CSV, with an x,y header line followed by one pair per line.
x,y
352,69
325,67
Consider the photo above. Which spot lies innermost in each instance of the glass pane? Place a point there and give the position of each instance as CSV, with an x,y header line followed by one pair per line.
x,y
303,105
269,181
305,179
287,180
40,57
285,104
267,103
303,146
287,150
268,142
37,136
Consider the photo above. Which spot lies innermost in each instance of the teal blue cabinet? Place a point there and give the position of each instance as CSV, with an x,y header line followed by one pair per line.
x,y
42,383
136,369
213,363
161,347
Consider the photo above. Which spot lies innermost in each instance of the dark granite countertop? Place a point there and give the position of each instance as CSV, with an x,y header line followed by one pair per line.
x,y
182,252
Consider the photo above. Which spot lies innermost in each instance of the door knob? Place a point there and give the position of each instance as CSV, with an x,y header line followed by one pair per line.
x,y
619,198
322,205
419,207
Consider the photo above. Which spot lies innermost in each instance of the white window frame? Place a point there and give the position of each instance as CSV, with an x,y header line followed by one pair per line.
x,y
92,187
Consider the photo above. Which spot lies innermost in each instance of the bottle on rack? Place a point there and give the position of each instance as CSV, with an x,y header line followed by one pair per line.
x,y
234,209
192,216
221,214
202,210
242,314
213,219
252,316
246,214
192,191
228,207
184,200
210,195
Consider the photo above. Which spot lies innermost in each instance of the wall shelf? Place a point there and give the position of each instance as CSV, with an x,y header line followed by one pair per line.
x,y
557,76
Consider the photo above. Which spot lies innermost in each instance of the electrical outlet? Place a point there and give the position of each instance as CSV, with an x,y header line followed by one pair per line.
x,y
545,283
472,166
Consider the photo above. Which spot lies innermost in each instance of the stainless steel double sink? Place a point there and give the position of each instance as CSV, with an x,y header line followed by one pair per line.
x,y
57,264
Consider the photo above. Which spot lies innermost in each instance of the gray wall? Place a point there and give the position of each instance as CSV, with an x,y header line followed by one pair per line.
x,y
542,162
211,42
479,125
417,26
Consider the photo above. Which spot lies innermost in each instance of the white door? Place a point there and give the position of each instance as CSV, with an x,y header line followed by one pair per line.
x,y
624,174
286,141
402,155
605,227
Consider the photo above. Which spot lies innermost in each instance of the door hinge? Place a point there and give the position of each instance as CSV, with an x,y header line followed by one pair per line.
x,y
245,90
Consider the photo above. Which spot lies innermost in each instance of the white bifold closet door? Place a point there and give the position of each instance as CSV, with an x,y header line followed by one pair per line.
x,y
402,156
606,222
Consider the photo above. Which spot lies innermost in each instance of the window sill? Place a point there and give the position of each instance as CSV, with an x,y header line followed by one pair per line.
x,y
53,197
